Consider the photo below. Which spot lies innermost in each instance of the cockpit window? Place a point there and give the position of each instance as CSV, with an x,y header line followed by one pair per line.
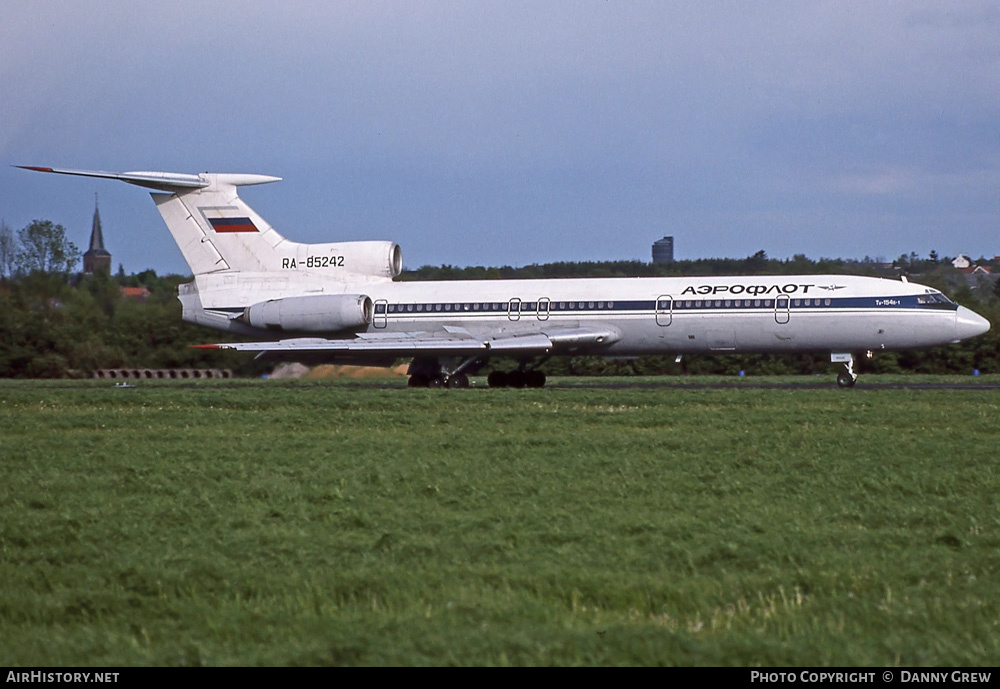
x,y
934,298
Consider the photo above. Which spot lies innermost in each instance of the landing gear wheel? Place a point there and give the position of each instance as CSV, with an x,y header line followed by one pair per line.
x,y
846,380
436,382
534,379
417,381
459,380
517,379
497,379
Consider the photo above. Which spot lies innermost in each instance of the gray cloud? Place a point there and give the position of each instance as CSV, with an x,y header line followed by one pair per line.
x,y
521,132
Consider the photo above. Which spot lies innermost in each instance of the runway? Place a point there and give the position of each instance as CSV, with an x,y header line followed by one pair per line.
x,y
749,385
624,383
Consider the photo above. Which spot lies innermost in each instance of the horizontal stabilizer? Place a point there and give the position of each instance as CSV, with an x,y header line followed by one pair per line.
x,y
162,181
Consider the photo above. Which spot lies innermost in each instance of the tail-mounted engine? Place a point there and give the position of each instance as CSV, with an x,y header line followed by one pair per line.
x,y
314,314
370,259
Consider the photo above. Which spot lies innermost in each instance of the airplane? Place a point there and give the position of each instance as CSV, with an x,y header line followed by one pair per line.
x,y
338,302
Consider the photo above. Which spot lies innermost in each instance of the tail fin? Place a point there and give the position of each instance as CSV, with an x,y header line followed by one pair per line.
x,y
218,232
214,228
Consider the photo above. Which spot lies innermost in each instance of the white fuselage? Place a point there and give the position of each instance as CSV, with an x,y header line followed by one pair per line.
x,y
829,313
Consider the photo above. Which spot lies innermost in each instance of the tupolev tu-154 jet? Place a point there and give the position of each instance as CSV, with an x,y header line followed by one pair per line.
x,y
337,302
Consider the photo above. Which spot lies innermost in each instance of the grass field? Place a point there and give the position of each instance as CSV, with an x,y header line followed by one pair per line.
x,y
314,523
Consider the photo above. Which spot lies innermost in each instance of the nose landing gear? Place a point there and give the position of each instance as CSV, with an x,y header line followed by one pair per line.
x,y
846,378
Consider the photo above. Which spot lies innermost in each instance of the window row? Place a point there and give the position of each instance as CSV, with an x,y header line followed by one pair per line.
x,y
546,306
678,304
502,307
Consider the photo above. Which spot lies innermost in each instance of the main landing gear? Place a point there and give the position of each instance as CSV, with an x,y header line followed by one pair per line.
x,y
427,372
518,378
521,377
439,381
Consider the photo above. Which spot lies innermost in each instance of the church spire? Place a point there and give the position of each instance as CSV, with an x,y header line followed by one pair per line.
x,y
97,257
96,234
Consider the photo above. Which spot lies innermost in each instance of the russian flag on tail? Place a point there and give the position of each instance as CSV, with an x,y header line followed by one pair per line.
x,y
233,225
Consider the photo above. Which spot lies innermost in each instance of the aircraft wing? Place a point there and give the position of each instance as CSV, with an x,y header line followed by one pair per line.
x,y
448,343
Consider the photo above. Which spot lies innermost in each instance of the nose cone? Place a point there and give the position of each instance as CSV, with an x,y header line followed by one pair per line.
x,y
969,324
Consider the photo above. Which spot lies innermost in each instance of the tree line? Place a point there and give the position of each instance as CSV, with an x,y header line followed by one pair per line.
x,y
57,323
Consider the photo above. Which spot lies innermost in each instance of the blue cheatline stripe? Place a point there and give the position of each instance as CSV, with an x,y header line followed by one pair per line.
x,y
676,306
647,307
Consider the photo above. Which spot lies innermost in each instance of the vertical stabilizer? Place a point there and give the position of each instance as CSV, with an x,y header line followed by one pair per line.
x,y
217,231
214,228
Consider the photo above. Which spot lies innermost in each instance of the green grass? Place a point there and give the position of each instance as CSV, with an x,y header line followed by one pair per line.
x,y
309,523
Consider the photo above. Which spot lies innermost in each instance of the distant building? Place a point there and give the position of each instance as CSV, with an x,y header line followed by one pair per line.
x,y
96,257
962,261
976,270
663,250
136,293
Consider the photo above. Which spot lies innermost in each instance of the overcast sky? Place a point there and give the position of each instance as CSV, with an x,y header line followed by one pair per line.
x,y
509,133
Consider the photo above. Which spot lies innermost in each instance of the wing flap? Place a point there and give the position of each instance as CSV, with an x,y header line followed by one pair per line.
x,y
444,343
397,344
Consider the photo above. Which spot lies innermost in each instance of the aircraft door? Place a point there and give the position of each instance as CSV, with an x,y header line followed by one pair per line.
x,y
379,318
782,309
514,309
543,308
664,309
